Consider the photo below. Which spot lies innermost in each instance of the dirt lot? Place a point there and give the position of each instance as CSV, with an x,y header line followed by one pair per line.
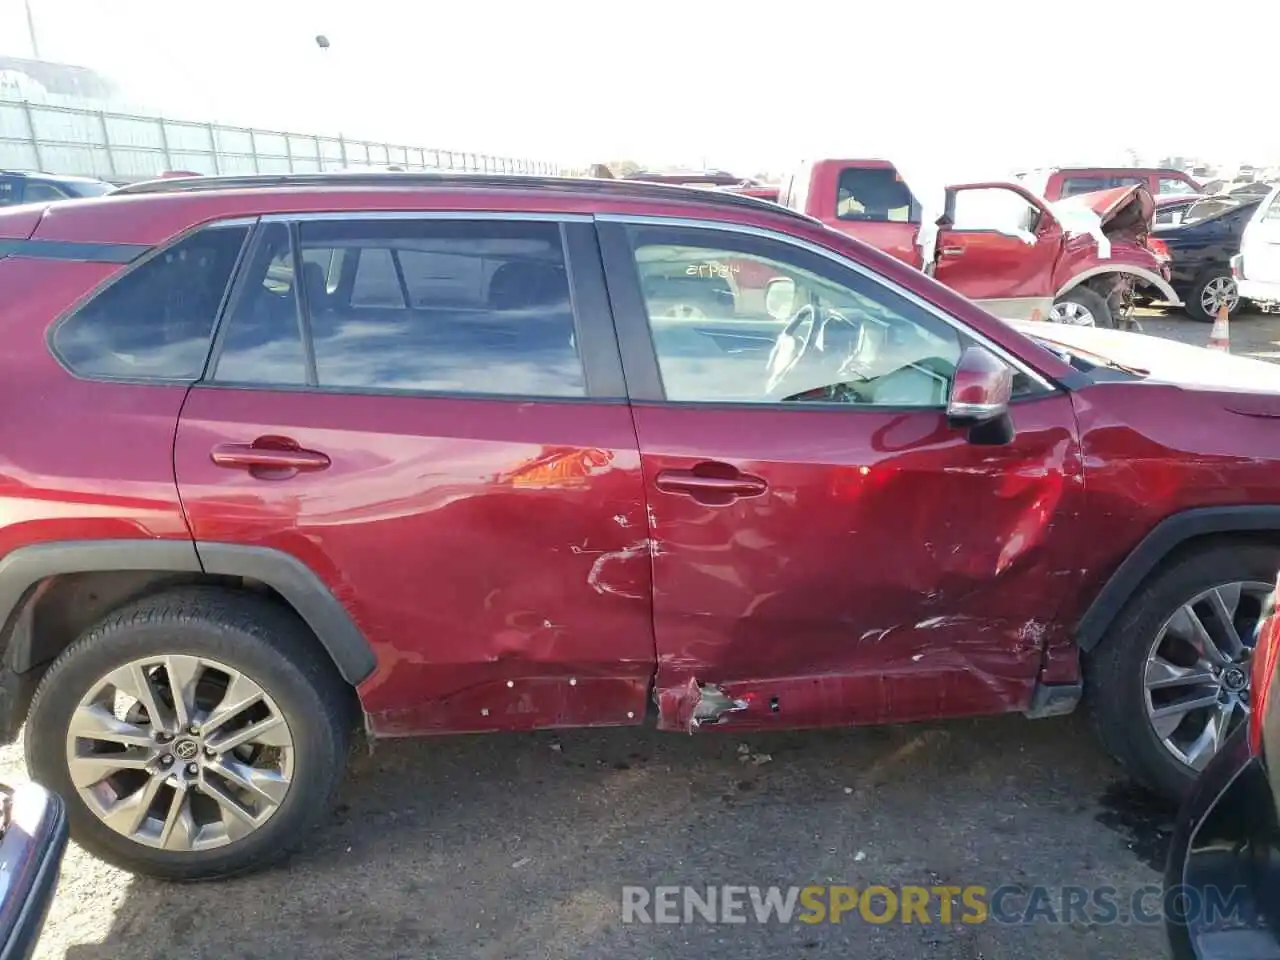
x,y
511,846
518,846
1252,335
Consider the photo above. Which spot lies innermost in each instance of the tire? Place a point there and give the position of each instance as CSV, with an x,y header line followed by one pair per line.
x,y
1083,299
1193,303
1115,670
265,643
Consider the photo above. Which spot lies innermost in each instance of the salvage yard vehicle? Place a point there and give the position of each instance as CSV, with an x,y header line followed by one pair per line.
x,y
28,186
1200,249
1079,261
1058,183
1256,267
429,453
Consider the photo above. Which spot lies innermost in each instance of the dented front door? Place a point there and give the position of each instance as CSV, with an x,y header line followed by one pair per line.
x,y
841,557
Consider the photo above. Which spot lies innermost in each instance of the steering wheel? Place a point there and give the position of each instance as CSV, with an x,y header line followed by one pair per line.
x,y
820,354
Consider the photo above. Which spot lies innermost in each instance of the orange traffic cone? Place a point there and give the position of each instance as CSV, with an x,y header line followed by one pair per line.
x,y
1220,337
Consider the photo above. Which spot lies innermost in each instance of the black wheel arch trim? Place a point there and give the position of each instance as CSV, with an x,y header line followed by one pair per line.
x,y
1167,535
306,593
23,568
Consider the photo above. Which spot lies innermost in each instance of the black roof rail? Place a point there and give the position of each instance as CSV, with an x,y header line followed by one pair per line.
x,y
495,181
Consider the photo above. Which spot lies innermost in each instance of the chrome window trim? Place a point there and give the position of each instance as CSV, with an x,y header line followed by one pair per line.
x,y
802,244
451,214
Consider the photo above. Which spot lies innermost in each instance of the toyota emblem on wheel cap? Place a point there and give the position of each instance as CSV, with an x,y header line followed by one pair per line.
x,y
186,749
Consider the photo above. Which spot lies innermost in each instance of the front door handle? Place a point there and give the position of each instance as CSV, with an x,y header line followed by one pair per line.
x,y
268,458
712,484
954,250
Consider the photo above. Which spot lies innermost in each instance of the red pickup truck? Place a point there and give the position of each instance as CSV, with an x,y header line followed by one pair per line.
x,y
1077,261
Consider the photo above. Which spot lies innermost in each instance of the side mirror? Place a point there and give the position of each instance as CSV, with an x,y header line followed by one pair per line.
x,y
980,392
780,298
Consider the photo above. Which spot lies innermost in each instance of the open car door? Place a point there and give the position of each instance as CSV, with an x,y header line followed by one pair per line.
x,y
998,244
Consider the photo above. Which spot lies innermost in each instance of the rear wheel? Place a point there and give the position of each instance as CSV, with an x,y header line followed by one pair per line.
x,y
1213,291
1082,307
193,734
1170,679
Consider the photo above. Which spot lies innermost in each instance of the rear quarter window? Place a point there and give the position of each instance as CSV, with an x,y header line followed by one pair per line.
x,y
156,321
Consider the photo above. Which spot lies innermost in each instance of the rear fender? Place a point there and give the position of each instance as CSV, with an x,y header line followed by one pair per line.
x,y
28,571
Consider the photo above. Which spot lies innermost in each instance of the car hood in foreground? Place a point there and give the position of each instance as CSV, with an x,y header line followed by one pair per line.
x,y
1158,359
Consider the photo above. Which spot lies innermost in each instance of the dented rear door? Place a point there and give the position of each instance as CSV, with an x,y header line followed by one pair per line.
x,y
829,559
428,413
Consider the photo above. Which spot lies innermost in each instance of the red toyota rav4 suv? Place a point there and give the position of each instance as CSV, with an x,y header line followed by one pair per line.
x,y
455,454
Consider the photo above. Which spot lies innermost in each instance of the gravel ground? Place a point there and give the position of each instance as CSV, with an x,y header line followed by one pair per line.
x,y
1252,335
518,846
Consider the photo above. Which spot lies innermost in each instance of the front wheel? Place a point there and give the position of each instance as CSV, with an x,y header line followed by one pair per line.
x,y
193,734
1082,307
1170,679
1212,292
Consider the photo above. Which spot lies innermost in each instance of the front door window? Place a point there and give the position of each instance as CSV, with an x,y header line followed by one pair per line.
x,y
747,324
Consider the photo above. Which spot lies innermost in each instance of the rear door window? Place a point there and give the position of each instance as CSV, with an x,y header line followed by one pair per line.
x,y
468,307
156,321
9,193
876,194
261,341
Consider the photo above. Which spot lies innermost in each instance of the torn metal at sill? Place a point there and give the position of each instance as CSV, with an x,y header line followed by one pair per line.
x,y
693,705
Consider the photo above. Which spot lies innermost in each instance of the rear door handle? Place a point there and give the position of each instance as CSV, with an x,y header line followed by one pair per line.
x,y
268,457
713,484
954,250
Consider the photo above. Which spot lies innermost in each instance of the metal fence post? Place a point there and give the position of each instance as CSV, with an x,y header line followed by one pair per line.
x,y
319,153
213,149
342,150
288,152
31,131
253,151
106,143
164,143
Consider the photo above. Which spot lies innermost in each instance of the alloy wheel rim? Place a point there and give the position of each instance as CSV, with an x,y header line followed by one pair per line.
x,y
1070,312
1217,293
180,753
1196,679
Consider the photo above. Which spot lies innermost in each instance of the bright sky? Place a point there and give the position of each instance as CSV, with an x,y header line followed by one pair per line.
x,y
994,84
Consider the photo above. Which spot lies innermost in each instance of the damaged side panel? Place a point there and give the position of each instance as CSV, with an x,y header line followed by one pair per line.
x,y
890,571
494,553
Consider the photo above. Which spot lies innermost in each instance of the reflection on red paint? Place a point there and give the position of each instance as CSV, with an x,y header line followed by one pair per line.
x,y
558,469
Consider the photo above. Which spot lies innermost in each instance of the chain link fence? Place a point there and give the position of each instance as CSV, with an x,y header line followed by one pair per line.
x,y
123,147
